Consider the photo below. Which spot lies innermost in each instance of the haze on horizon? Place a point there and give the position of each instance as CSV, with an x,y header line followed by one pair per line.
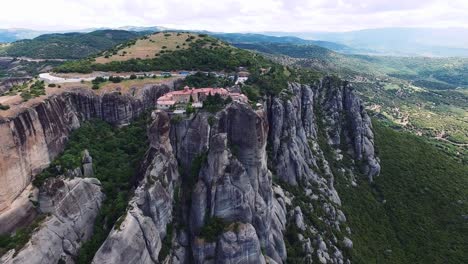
x,y
235,15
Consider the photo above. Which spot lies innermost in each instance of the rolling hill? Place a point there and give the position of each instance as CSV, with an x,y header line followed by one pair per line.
x,y
151,46
250,38
68,45
165,51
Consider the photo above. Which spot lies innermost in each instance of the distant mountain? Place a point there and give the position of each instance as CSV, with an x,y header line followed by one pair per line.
x,y
250,38
68,45
10,35
141,29
397,41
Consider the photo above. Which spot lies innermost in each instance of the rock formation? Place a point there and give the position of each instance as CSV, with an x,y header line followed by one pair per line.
x,y
73,205
34,137
138,238
242,185
7,83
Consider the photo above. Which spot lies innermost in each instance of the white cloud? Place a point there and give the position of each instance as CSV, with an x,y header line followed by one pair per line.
x,y
235,15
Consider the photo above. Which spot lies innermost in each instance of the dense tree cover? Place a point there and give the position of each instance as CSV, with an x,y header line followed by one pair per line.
x,y
270,83
413,213
214,103
116,153
68,45
434,85
200,80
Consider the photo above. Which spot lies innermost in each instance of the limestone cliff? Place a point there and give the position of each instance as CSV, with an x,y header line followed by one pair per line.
x,y
72,206
242,185
138,238
253,182
31,139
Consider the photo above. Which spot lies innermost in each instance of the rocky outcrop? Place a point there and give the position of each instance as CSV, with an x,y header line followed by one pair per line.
x,y
138,238
73,205
87,164
34,137
224,162
312,127
347,123
7,83
330,105
240,185
233,184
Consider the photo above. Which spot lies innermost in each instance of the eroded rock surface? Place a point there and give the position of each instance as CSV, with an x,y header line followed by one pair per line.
x,y
266,176
31,139
71,207
138,238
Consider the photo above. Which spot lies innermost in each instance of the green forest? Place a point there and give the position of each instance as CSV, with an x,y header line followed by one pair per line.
x,y
414,211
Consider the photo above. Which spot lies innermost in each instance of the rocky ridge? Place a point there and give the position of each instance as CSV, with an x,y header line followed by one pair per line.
x,y
248,186
256,186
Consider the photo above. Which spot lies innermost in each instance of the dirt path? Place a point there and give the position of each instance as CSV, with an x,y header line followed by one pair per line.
x,y
451,142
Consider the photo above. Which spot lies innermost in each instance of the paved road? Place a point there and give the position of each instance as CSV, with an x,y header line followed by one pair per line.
x,y
47,77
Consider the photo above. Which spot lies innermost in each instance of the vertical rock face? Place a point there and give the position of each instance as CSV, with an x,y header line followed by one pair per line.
x,y
138,238
312,126
294,121
32,139
233,185
240,185
347,123
73,206
225,167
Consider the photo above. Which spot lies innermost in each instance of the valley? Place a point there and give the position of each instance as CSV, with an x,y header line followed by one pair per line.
x,y
424,95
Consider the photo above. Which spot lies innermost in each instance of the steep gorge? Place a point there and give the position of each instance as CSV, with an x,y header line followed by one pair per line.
x,y
32,138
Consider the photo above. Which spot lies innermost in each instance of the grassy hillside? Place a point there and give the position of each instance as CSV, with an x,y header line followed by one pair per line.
x,y
152,46
167,51
68,45
416,210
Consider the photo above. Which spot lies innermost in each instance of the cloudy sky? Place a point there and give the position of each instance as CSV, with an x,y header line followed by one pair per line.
x,y
234,15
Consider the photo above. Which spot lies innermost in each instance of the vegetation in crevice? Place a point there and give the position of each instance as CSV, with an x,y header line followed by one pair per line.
x,y
166,244
116,153
213,228
21,237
